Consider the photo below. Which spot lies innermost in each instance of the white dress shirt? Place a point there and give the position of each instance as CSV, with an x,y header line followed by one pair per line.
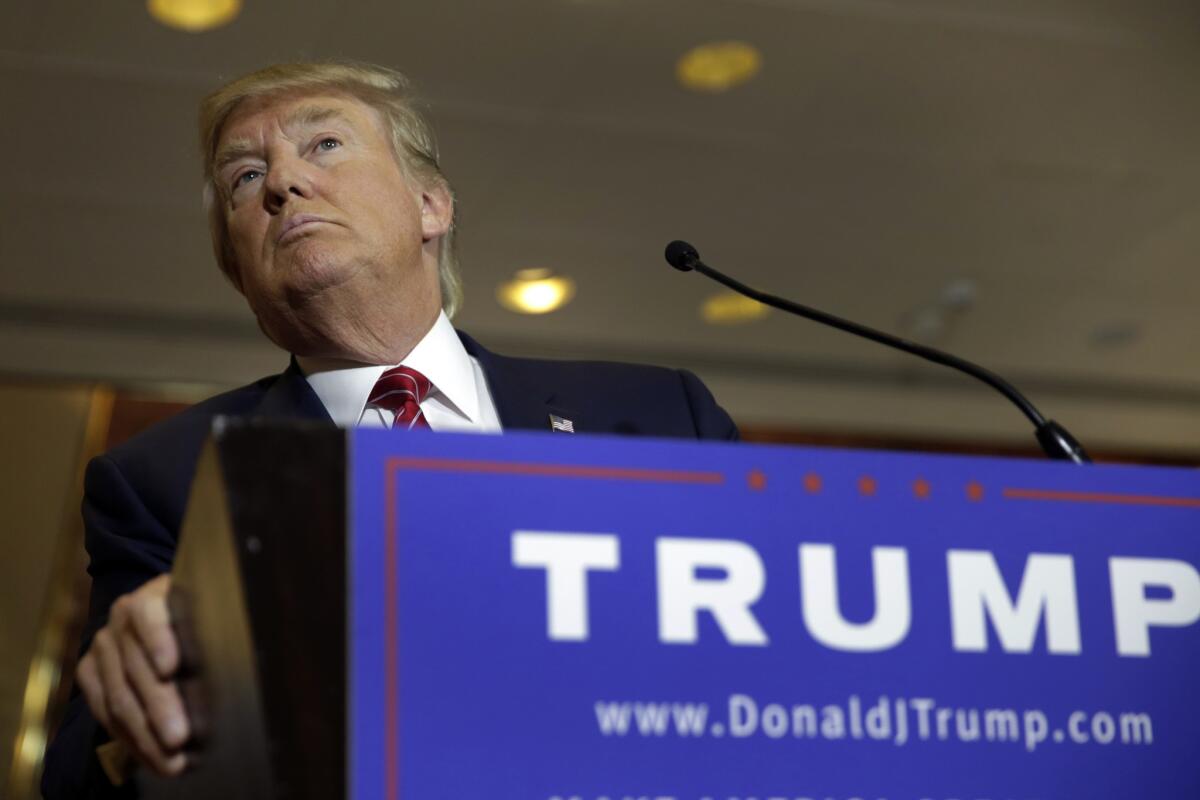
x,y
458,401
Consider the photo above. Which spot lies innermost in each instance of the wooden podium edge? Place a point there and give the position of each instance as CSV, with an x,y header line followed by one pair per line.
x,y
259,603
219,675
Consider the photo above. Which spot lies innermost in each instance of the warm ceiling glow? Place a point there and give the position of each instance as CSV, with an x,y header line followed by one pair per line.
x,y
194,15
535,291
718,66
730,308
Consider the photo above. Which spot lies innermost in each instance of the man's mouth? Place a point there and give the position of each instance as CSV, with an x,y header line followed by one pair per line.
x,y
297,226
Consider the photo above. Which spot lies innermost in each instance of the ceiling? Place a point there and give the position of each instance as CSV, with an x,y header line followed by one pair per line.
x,y
1040,153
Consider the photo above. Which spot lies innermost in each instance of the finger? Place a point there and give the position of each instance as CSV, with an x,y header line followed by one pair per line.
x,y
114,691
128,720
87,675
160,699
151,622
122,706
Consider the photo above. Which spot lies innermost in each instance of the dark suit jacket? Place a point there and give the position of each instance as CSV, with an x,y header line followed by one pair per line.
x,y
134,496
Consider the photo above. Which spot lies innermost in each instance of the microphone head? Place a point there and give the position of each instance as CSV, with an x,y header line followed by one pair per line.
x,y
681,255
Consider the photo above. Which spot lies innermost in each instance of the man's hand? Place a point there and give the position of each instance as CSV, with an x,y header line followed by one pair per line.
x,y
127,678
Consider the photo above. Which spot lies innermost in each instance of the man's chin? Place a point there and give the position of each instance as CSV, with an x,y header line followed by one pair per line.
x,y
305,278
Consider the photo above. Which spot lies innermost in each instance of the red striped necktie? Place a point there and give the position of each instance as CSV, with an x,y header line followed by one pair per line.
x,y
401,390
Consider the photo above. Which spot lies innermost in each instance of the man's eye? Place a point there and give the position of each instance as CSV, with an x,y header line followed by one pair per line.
x,y
246,177
328,143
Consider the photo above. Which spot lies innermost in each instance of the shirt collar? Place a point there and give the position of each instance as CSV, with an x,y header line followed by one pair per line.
x,y
439,356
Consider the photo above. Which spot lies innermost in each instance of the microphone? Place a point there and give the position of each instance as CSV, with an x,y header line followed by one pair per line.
x,y
1055,440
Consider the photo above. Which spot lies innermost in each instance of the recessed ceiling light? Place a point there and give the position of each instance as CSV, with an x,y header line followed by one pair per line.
x,y
718,66
731,308
535,291
194,15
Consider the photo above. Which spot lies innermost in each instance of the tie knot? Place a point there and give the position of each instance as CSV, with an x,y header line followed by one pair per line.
x,y
401,390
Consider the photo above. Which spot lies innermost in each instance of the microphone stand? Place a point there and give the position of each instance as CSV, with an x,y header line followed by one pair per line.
x,y
1055,440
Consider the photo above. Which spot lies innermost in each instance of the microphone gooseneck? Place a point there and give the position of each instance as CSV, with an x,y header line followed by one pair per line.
x,y
1054,439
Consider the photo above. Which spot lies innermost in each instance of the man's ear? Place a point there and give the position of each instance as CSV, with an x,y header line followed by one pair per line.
x,y
437,211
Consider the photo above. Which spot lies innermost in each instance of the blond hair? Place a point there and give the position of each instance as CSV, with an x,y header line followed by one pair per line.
x,y
385,90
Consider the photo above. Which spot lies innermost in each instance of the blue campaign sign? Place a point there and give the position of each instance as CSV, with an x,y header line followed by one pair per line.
x,y
548,616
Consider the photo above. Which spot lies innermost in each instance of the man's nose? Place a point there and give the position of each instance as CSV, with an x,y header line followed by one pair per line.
x,y
286,180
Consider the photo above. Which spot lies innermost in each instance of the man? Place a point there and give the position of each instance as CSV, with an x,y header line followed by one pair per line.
x,y
330,214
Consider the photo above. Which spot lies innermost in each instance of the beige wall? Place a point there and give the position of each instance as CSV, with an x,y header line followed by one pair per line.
x,y
42,428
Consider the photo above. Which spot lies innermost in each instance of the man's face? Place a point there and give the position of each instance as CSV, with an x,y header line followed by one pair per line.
x,y
326,227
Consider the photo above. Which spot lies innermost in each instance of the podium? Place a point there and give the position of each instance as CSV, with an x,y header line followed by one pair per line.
x,y
370,614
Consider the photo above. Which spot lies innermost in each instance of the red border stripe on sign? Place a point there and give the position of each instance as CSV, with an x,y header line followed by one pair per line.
x,y
556,470
1101,497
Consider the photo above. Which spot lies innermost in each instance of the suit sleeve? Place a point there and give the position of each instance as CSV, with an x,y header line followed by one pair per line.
x,y
127,545
710,419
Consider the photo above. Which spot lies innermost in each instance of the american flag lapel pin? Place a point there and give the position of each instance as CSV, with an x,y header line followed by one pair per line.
x,y
561,424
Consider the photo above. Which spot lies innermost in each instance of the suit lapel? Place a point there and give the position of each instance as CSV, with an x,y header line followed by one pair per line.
x,y
520,404
291,397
